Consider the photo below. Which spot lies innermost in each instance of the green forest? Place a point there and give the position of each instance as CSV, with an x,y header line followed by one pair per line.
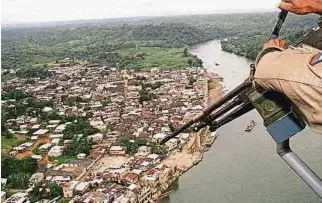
x,y
124,45
140,42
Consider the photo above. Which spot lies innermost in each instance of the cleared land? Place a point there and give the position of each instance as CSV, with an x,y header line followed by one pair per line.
x,y
147,57
8,144
185,159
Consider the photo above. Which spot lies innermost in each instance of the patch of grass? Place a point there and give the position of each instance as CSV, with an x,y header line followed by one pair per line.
x,y
62,159
167,58
8,144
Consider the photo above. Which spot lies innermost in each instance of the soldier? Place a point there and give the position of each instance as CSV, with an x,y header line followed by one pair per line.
x,y
296,71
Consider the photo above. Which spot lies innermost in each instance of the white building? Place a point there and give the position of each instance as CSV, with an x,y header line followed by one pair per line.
x,y
17,198
55,141
40,132
56,151
117,150
60,179
172,143
45,147
36,178
159,136
81,156
82,187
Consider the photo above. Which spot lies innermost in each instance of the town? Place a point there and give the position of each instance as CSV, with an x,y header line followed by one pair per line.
x,y
92,132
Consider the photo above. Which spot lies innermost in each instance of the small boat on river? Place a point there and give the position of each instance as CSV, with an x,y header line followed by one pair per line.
x,y
250,126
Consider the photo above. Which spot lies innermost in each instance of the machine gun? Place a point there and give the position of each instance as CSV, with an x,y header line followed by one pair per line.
x,y
280,117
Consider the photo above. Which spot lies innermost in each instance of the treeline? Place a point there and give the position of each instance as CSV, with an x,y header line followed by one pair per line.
x,y
251,46
22,48
249,42
98,41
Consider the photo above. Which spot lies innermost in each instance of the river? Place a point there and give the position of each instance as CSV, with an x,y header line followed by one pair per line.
x,y
244,167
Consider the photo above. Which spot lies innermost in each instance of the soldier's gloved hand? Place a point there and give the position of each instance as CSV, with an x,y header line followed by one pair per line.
x,y
302,7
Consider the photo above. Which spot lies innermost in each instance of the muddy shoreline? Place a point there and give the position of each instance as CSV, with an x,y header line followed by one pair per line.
x,y
199,143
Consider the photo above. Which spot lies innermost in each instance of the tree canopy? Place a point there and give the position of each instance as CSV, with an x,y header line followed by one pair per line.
x,y
48,191
79,126
16,171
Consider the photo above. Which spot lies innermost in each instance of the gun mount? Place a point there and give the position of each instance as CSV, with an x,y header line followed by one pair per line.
x,y
280,117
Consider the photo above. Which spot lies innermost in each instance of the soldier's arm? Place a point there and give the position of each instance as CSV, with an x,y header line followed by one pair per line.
x,y
302,7
295,72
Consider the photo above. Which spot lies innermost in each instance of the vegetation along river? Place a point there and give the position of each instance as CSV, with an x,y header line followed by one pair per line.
x,y
244,167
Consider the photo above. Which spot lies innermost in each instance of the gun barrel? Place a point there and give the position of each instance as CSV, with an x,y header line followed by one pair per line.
x,y
241,110
206,112
281,18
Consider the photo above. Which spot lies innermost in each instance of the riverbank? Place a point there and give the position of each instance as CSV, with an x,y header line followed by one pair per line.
x,y
236,171
191,152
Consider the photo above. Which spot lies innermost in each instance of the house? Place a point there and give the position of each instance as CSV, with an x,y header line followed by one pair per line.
x,y
26,144
13,153
51,126
184,137
55,141
172,143
35,127
60,128
66,142
35,156
33,120
55,122
137,171
33,138
44,147
40,132
3,182
68,189
82,187
36,178
144,150
122,199
96,138
17,198
47,109
117,151
61,136
3,196
22,132
56,151
132,187
131,178
144,194
99,196
60,179
159,136
81,156
150,179
164,175
145,165
154,157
